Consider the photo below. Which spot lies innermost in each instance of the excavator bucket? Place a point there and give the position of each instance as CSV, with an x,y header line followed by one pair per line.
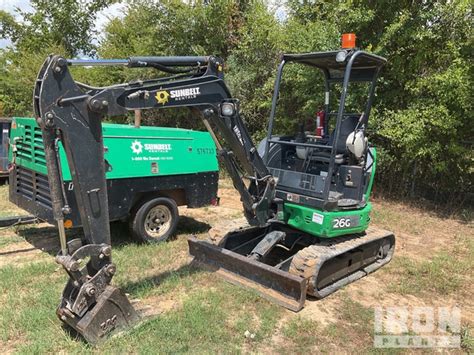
x,y
295,265
112,313
90,304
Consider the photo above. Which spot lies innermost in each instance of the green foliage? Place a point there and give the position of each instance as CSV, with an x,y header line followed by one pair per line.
x,y
66,23
173,27
422,117
18,70
55,26
252,64
425,122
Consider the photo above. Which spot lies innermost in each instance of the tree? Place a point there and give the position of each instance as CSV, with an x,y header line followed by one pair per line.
x,y
65,23
423,118
174,27
55,26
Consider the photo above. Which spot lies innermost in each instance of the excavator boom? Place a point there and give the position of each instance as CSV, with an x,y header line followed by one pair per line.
x,y
71,113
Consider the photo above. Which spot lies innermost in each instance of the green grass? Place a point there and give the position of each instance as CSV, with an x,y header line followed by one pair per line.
x,y
9,239
354,319
418,278
446,272
184,278
29,295
208,320
207,314
303,334
353,331
210,315
467,339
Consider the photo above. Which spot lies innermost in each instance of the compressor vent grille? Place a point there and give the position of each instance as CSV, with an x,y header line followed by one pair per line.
x,y
33,186
30,148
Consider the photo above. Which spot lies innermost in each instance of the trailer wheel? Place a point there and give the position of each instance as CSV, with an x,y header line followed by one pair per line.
x,y
155,221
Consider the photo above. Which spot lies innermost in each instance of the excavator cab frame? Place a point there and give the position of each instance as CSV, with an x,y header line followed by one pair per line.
x,y
338,67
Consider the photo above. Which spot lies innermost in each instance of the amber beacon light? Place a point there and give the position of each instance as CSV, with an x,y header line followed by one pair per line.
x,y
348,40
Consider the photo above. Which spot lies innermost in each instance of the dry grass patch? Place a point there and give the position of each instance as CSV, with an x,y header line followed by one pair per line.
x,y
7,208
442,274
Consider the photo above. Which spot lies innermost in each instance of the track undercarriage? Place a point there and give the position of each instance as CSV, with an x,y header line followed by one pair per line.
x,y
284,264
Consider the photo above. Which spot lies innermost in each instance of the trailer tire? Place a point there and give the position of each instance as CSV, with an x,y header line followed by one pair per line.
x,y
155,221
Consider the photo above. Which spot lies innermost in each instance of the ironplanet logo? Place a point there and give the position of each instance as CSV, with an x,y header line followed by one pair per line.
x,y
185,93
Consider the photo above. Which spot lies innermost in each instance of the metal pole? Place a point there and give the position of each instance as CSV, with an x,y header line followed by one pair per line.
x,y
96,62
138,118
340,112
276,91
371,96
62,236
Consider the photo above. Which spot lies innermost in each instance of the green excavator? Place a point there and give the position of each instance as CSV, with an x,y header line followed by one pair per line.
x,y
305,196
318,238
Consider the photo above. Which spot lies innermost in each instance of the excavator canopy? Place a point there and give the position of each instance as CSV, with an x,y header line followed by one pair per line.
x,y
334,63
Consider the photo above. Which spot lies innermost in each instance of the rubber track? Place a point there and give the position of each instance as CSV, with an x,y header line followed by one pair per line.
x,y
308,261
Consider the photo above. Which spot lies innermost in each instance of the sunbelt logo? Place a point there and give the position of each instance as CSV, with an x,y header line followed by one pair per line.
x,y
163,96
138,147
185,93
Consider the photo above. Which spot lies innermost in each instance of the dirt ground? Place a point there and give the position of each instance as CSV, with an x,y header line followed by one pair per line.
x,y
430,248
414,240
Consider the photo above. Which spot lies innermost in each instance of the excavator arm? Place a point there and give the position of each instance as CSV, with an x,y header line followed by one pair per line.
x,y
72,112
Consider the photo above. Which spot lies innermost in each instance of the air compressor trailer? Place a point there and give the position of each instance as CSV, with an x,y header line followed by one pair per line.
x,y
150,171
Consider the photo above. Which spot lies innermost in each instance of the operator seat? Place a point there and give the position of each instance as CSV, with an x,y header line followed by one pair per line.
x,y
348,125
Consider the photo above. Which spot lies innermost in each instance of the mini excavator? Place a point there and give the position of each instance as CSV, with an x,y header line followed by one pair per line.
x,y
305,196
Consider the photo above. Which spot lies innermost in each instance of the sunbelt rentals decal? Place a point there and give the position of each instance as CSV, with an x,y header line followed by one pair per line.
x,y
163,96
140,149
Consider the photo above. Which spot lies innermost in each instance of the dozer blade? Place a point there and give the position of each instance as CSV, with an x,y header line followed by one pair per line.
x,y
318,266
272,283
